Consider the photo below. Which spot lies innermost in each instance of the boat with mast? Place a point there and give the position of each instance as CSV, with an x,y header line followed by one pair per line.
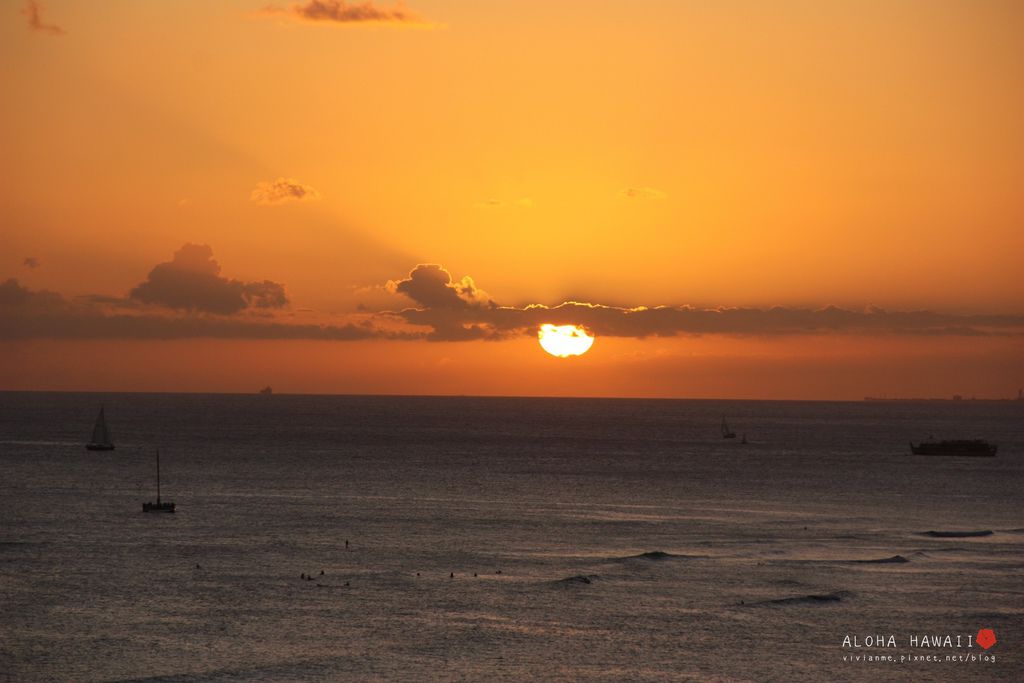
x,y
158,506
100,435
726,432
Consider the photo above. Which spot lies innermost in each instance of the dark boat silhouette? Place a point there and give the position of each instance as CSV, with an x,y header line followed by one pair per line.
x,y
100,435
267,390
967,447
726,432
158,506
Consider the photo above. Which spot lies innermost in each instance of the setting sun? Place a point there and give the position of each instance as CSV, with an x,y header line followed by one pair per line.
x,y
564,340
291,256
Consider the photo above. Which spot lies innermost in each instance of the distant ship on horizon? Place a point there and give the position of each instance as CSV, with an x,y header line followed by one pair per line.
x,y
267,390
954,397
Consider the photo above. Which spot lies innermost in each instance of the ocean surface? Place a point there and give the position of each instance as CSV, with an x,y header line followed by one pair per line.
x,y
601,540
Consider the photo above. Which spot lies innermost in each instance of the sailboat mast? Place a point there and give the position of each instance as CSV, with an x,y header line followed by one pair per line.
x,y
158,476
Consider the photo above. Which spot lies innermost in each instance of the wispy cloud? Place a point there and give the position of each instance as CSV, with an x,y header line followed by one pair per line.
x,y
342,13
282,190
33,10
522,203
31,262
642,193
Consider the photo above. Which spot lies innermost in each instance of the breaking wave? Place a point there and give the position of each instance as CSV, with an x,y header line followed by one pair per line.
x,y
809,599
895,559
656,556
579,578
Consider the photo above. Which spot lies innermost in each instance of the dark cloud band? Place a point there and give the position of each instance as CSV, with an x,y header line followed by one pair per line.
x,y
187,298
26,314
458,311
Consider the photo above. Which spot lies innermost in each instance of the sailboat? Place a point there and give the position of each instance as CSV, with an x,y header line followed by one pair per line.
x,y
100,435
726,432
158,506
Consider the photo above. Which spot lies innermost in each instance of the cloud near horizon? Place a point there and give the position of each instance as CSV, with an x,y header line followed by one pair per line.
x,y
191,280
33,10
25,314
521,203
459,311
192,300
282,190
449,307
641,193
342,13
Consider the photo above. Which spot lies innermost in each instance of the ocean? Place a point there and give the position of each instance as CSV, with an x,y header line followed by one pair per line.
x,y
507,539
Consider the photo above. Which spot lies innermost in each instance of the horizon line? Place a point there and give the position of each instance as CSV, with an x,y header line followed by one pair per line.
x,y
864,399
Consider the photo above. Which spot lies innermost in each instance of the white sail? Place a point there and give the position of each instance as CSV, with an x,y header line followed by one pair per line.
x,y
100,433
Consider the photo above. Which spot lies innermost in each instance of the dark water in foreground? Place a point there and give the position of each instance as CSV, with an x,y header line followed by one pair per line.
x,y
525,493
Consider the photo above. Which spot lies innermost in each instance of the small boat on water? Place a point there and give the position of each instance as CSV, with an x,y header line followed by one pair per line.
x,y
100,435
267,390
966,447
158,506
726,432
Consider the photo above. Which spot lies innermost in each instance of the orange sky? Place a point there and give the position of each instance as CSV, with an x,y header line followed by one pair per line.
x,y
744,155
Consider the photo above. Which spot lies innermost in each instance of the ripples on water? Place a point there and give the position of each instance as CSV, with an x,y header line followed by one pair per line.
x,y
589,539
